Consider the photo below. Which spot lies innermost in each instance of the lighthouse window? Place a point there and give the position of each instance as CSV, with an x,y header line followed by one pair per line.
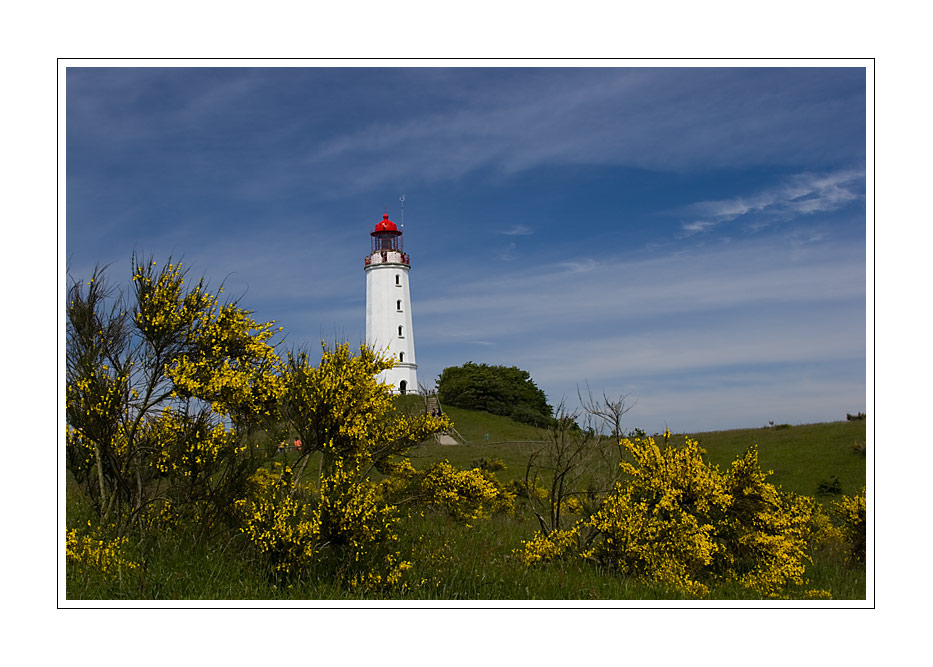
x,y
400,332
398,280
401,356
398,305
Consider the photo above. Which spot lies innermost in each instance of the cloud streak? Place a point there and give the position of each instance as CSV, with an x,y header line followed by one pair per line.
x,y
801,195
715,311
729,277
668,119
516,230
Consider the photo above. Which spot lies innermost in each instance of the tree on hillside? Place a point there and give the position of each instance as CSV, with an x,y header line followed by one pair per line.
x,y
500,390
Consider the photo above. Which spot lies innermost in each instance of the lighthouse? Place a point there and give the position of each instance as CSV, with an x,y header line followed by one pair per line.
x,y
388,306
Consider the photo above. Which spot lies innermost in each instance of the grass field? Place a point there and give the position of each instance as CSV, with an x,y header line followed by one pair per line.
x,y
800,456
454,561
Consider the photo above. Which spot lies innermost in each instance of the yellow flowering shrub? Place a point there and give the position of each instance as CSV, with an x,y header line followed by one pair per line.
x,y
79,453
552,546
231,364
466,495
99,554
278,526
766,533
677,520
651,526
177,402
190,448
160,515
346,529
167,398
360,527
850,512
338,407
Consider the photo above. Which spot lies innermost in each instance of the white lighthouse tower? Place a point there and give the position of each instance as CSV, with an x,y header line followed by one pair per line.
x,y
388,306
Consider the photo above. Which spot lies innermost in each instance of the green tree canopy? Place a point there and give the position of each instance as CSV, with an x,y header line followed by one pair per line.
x,y
500,390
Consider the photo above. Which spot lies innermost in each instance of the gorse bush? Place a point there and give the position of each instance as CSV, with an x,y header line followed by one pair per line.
x,y
679,521
851,514
464,495
100,554
163,396
284,535
177,403
765,533
656,522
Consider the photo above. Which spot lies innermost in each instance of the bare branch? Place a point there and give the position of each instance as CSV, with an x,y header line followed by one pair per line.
x,y
607,410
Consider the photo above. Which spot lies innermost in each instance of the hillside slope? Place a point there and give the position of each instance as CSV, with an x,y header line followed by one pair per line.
x,y
801,457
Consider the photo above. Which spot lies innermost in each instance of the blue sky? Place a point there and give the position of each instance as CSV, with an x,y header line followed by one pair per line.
x,y
693,237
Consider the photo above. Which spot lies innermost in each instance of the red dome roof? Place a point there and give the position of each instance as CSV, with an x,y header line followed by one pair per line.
x,y
385,225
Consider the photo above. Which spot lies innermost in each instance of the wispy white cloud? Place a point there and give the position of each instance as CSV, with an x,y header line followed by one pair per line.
x,y
714,310
660,119
714,278
698,226
516,230
506,121
800,195
756,341
579,266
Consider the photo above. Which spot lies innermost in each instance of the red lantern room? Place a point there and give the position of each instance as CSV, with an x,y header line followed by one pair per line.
x,y
386,236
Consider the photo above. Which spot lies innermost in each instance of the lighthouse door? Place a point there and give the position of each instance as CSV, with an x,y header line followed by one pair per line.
x,y
403,386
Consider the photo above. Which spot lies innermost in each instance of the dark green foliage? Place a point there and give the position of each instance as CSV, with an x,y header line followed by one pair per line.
x,y
492,465
500,390
527,415
829,487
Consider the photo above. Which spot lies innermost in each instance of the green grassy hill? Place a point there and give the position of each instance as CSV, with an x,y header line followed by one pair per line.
x,y
478,427
474,425
801,456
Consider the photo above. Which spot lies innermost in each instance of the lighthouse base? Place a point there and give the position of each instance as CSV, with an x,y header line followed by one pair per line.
x,y
402,379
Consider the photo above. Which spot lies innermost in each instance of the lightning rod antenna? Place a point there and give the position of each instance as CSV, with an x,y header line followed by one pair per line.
x,y
402,199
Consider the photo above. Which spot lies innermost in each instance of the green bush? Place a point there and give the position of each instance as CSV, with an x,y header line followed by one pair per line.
x,y
500,390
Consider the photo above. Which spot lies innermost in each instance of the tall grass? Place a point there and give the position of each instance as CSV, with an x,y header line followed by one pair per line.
x,y
454,561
